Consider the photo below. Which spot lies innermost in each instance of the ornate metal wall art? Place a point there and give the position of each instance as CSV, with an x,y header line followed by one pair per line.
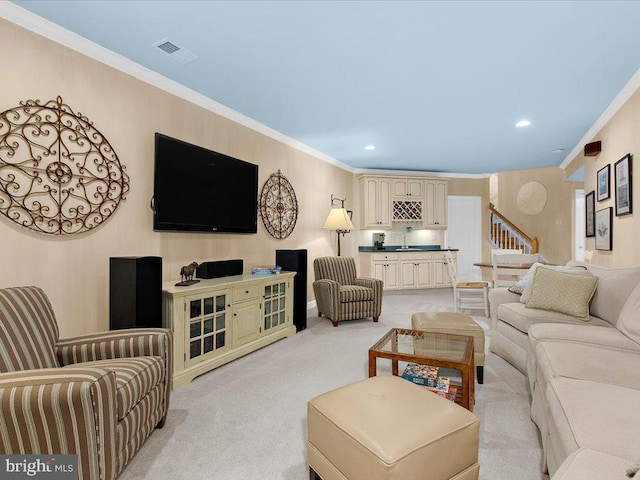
x,y
58,174
278,206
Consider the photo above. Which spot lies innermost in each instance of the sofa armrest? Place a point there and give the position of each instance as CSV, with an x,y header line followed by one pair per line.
x,y
135,342
498,296
327,299
62,411
368,282
377,286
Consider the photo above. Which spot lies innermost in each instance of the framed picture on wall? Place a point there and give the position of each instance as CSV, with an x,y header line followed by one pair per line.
x,y
590,211
604,238
603,183
624,202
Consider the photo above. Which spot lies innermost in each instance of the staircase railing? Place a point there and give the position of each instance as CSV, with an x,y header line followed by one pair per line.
x,y
504,234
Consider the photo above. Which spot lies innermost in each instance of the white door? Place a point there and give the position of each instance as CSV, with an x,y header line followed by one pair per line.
x,y
464,232
580,220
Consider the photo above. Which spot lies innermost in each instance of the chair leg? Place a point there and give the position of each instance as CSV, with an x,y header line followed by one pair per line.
x,y
375,319
480,374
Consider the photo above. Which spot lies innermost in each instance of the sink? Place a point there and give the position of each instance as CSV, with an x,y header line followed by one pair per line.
x,y
408,249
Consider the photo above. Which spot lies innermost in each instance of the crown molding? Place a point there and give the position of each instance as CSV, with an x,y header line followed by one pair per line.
x,y
629,89
418,173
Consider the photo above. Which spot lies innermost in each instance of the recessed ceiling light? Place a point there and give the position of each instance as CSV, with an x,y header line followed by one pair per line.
x,y
370,147
557,150
523,123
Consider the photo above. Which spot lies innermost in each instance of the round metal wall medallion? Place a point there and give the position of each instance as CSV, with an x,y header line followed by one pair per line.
x,y
58,174
278,206
532,197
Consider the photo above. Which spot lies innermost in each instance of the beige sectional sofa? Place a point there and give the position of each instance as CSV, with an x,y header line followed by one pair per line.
x,y
584,375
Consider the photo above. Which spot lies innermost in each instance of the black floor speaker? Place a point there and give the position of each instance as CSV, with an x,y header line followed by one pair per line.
x,y
296,261
135,292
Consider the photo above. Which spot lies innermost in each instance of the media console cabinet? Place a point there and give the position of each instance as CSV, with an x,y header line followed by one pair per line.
x,y
218,320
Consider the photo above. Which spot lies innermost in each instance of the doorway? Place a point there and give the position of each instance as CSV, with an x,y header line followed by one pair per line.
x,y
464,232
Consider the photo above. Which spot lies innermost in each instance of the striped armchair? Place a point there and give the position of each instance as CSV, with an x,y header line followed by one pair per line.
x,y
98,396
341,295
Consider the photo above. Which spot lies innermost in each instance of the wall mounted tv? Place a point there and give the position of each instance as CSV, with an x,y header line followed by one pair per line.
x,y
198,190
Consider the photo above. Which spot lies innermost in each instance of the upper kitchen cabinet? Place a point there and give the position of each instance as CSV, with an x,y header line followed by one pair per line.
x,y
385,200
435,204
376,202
412,188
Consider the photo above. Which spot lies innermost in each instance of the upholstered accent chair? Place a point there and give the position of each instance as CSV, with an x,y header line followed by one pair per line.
x,y
98,396
341,295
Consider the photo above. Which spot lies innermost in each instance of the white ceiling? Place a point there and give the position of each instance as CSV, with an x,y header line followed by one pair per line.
x,y
435,86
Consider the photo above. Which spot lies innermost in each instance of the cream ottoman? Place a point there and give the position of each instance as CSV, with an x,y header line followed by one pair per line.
x,y
456,324
387,428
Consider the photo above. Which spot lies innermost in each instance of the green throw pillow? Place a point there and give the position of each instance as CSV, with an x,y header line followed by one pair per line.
x,y
562,292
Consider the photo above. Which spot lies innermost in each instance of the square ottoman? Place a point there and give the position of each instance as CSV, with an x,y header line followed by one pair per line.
x,y
455,324
385,428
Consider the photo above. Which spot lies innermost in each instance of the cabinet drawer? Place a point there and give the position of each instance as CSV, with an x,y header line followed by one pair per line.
x,y
384,256
417,256
441,255
245,293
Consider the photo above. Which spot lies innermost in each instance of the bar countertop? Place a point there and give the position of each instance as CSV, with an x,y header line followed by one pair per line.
x,y
410,248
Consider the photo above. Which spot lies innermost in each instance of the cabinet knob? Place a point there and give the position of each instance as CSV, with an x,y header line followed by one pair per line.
x,y
235,314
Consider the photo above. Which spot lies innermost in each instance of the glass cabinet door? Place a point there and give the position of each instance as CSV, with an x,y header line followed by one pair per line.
x,y
275,301
207,326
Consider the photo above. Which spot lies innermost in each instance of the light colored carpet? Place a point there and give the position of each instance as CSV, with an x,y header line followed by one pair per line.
x,y
247,419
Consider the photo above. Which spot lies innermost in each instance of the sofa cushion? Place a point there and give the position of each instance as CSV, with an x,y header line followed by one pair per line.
x,y
603,335
135,378
354,293
562,292
614,286
587,464
589,414
521,317
586,362
629,319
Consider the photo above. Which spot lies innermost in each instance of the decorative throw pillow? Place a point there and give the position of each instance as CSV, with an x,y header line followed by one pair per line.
x,y
521,284
629,320
562,292
579,270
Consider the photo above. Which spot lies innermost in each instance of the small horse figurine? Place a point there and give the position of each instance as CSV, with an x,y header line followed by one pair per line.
x,y
186,274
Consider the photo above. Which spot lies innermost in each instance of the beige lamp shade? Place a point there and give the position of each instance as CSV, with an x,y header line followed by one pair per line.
x,y
338,219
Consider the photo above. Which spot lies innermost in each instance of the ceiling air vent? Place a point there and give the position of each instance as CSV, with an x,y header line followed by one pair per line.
x,y
176,52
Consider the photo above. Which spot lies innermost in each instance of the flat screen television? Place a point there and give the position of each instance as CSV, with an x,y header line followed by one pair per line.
x,y
199,190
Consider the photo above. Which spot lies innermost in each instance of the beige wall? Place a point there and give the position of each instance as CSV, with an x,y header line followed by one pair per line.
x,y
552,226
74,270
619,137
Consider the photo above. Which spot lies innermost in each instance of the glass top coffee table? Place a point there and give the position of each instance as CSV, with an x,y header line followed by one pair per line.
x,y
428,348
